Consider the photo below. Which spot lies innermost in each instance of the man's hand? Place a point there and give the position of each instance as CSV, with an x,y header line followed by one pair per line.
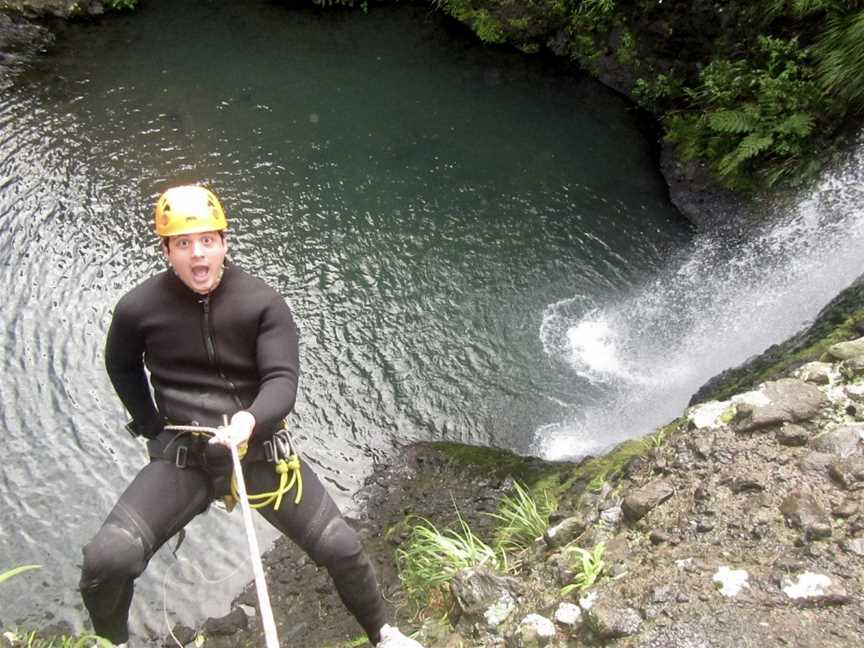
x,y
237,432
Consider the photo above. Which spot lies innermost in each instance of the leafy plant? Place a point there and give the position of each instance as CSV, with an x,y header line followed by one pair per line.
x,y
522,519
655,440
589,568
597,482
430,558
840,55
754,119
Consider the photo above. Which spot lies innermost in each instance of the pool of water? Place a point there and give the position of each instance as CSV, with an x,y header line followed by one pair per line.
x,y
419,199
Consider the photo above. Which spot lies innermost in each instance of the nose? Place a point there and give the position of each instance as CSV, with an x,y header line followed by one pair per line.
x,y
197,249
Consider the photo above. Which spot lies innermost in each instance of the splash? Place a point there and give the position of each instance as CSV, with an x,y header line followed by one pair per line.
x,y
726,298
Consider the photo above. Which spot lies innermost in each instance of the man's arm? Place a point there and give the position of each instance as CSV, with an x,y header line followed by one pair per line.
x,y
124,361
277,356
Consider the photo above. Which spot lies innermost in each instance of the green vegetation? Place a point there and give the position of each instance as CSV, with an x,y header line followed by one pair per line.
x,y
757,90
430,558
589,567
522,519
121,5
753,119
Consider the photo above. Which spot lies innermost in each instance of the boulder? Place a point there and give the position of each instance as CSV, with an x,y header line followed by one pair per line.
x,y
814,590
842,440
790,401
534,631
846,350
639,502
852,369
232,622
482,593
792,435
569,529
568,615
609,621
802,511
848,473
819,373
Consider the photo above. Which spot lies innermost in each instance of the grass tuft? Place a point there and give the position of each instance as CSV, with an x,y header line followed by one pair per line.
x,y
430,558
521,519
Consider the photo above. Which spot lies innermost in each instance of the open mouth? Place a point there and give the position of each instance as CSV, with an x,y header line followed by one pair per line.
x,y
200,273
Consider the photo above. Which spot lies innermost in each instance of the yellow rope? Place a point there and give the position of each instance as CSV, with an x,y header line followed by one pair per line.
x,y
284,467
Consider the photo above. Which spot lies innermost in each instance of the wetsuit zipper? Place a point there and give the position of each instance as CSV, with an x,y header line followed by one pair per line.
x,y
211,351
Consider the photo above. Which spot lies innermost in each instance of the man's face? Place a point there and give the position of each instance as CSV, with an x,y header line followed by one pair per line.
x,y
197,259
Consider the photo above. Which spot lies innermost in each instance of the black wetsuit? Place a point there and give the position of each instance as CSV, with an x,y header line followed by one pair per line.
x,y
209,356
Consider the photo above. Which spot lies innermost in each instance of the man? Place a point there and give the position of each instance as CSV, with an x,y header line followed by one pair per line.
x,y
219,345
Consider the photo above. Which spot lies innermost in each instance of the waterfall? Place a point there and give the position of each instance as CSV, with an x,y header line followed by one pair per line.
x,y
724,299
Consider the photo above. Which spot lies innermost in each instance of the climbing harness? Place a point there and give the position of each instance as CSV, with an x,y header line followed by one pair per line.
x,y
279,450
267,620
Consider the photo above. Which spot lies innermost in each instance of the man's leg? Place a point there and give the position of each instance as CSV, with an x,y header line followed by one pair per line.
x,y
157,504
317,527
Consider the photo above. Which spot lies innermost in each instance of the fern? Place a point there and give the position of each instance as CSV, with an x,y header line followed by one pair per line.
x,y
840,55
753,145
800,124
730,121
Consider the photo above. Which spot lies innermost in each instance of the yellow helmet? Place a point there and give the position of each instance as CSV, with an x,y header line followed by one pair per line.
x,y
188,210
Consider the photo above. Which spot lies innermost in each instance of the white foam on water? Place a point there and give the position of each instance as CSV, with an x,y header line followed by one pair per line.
x,y
724,299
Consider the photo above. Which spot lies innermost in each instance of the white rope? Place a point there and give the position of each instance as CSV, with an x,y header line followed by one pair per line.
x,y
260,584
254,552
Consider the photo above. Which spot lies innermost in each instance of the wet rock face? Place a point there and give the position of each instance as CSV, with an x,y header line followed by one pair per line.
x,y
20,42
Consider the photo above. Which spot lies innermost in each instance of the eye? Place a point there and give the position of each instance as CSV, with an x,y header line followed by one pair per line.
x,y
183,244
207,241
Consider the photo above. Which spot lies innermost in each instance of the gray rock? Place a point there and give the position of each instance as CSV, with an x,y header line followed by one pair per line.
x,y
816,463
846,350
535,631
746,484
849,473
855,546
843,440
569,529
182,634
477,590
792,435
637,503
845,509
232,622
814,590
611,622
791,401
568,615
818,373
802,511
611,517
852,368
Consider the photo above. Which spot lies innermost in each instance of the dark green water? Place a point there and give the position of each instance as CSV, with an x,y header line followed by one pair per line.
x,y
420,201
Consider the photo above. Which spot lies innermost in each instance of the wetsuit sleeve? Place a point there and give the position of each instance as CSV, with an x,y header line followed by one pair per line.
x,y
277,356
124,361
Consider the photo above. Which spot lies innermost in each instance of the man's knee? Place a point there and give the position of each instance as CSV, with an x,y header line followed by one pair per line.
x,y
115,552
337,542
